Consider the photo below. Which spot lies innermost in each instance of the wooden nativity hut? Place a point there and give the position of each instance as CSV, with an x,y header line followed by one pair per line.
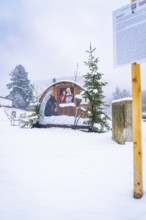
x,y
62,104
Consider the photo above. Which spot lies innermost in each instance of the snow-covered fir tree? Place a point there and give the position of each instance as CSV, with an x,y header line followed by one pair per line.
x,y
21,90
98,120
32,119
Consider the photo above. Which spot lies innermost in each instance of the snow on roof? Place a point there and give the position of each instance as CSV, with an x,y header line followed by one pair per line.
x,y
66,81
1,97
122,100
5,101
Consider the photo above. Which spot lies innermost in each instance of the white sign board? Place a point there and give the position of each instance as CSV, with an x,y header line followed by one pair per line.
x,y
129,31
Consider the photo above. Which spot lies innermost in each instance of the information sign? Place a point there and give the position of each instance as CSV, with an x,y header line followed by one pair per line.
x,y
129,31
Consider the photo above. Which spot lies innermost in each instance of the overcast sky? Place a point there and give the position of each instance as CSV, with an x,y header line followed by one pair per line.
x,y
49,38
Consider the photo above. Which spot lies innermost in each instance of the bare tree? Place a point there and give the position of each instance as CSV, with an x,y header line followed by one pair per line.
x,y
76,75
37,92
116,94
125,93
119,94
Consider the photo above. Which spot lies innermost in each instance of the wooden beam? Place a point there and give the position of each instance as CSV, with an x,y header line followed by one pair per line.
x,y
136,120
137,140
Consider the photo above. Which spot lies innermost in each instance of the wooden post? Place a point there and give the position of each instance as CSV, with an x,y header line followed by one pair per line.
x,y
137,140
136,120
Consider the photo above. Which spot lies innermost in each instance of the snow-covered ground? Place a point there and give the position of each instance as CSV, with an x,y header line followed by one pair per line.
x,y
64,174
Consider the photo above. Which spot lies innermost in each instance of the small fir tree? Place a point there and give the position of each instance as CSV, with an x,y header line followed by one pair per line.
x,y
21,91
98,120
32,120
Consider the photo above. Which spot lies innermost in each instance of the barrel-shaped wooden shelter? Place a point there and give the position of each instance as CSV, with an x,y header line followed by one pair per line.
x,y
61,103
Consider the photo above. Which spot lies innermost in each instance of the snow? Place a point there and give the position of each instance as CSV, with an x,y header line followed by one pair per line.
x,y
67,81
65,174
62,105
95,91
122,99
61,120
78,96
5,101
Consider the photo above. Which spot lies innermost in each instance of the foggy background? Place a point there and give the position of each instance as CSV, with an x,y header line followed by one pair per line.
x,y
49,38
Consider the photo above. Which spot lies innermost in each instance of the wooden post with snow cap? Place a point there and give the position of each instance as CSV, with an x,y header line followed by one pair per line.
x,y
136,120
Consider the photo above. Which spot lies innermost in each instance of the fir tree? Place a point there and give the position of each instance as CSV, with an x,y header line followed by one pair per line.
x,y
32,119
21,91
98,120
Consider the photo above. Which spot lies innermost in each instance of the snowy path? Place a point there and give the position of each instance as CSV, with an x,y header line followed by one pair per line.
x,y
63,174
